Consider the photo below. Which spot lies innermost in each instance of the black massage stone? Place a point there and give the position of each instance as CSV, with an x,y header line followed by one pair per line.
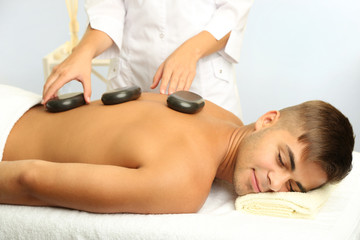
x,y
121,95
65,102
185,102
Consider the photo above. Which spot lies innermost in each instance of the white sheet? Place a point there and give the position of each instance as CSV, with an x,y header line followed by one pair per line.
x,y
339,219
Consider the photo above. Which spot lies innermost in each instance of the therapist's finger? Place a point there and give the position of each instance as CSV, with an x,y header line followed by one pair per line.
x,y
46,94
189,81
157,76
87,88
181,84
174,81
54,76
186,81
165,81
52,89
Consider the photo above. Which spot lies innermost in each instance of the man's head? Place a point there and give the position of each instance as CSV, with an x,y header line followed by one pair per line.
x,y
297,148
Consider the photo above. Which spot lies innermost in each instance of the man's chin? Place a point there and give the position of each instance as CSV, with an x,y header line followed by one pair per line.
x,y
240,192
243,194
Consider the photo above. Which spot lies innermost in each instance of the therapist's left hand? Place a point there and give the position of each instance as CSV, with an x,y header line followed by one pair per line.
x,y
178,71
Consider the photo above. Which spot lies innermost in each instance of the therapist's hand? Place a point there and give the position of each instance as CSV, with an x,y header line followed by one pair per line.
x,y
76,67
178,71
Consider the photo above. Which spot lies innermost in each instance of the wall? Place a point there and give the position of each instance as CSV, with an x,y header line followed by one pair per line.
x,y
29,30
299,50
293,51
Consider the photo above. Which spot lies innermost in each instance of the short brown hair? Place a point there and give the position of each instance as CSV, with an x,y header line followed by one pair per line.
x,y
327,135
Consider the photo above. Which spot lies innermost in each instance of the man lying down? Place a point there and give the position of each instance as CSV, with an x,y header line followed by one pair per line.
x,y
143,157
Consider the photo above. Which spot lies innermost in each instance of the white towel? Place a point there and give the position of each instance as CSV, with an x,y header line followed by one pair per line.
x,y
339,218
14,102
285,204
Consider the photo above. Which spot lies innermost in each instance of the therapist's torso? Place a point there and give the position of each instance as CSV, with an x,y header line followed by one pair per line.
x,y
153,29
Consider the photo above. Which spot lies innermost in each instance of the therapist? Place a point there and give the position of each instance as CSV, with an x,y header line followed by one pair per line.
x,y
161,46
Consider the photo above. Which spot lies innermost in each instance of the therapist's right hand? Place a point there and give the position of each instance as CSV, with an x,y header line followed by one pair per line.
x,y
76,67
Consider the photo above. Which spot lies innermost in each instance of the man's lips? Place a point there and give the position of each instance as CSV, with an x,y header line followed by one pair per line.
x,y
254,182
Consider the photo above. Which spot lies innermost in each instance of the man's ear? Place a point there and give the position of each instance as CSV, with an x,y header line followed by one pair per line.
x,y
267,120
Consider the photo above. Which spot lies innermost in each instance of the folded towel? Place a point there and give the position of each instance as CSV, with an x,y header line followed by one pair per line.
x,y
14,102
285,204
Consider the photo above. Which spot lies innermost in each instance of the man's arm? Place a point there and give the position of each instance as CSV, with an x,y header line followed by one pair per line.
x,y
94,188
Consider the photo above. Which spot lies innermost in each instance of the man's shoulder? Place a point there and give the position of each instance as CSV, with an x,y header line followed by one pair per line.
x,y
216,111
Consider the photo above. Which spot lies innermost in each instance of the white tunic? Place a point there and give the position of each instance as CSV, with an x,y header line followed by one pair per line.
x,y
146,32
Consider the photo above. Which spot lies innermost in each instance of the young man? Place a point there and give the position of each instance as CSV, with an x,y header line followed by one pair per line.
x,y
143,157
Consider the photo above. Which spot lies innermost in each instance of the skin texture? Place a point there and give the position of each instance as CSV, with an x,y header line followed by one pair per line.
x,y
114,158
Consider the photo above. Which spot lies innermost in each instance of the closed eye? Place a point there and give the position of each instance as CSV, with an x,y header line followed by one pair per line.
x,y
280,160
290,188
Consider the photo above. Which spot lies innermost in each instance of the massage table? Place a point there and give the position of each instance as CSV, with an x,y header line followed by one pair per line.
x,y
337,219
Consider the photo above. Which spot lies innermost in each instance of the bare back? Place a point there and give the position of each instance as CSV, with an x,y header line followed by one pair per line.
x,y
128,134
141,134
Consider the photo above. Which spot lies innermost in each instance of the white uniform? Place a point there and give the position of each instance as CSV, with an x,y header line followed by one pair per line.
x,y
146,32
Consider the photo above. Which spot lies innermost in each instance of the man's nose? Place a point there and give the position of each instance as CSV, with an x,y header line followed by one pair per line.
x,y
278,181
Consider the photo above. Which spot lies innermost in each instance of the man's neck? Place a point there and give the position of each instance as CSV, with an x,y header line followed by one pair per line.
x,y
227,166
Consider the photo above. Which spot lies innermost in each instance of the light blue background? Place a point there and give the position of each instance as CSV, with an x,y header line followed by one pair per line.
x,y
293,51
